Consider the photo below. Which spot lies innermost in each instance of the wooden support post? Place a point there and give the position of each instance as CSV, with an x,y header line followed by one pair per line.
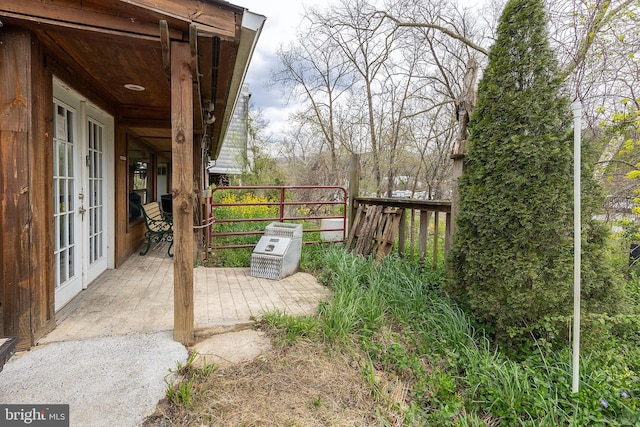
x,y
412,233
447,234
165,45
26,177
436,217
354,188
198,168
424,227
198,118
402,231
15,210
182,181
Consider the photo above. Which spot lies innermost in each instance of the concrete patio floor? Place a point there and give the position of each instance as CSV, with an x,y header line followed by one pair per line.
x,y
138,298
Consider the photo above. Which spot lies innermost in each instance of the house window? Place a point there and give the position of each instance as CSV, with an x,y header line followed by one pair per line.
x,y
141,166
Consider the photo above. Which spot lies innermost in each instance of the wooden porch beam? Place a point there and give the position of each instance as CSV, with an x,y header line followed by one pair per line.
x,y
182,182
145,123
166,51
78,18
208,18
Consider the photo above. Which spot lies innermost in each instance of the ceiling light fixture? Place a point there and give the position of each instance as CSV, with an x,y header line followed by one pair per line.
x,y
134,87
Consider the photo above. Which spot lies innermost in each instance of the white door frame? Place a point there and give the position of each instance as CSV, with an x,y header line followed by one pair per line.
x,y
85,111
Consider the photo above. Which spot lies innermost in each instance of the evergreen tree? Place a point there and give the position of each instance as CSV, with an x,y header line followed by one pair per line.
x,y
512,262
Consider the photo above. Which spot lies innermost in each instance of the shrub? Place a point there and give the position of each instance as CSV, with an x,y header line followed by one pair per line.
x,y
512,261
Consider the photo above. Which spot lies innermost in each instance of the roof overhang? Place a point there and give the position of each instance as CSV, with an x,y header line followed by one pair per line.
x,y
252,25
99,46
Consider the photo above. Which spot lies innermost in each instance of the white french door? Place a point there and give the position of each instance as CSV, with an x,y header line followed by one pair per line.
x,y
94,198
68,274
82,141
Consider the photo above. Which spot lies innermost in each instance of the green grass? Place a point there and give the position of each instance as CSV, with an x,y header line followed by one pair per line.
x,y
181,387
396,313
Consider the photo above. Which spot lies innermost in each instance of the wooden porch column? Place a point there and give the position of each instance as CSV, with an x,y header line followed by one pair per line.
x,y
182,182
26,176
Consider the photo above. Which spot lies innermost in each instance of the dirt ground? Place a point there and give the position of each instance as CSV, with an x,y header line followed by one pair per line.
x,y
300,385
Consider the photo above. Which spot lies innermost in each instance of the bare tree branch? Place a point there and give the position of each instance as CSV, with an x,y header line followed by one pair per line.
x,y
440,28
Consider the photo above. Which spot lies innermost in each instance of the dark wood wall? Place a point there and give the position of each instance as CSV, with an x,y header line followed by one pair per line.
x,y
128,236
27,288
27,283
26,178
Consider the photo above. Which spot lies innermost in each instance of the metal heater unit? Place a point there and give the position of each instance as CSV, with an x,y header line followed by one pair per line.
x,y
277,254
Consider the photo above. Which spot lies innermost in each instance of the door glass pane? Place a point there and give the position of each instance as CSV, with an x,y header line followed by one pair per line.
x,y
96,192
56,199
62,191
57,270
62,164
70,196
71,217
63,267
56,227
55,156
69,159
70,126
64,195
71,262
63,232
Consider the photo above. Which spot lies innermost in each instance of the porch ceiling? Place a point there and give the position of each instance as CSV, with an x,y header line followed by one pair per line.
x,y
102,45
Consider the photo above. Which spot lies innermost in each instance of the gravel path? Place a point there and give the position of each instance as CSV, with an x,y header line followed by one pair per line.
x,y
110,381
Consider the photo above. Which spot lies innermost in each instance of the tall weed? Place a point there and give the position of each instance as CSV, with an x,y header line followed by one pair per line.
x,y
455,375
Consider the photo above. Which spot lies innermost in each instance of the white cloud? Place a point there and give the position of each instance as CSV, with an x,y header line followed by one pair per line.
x,y
277,117
283,19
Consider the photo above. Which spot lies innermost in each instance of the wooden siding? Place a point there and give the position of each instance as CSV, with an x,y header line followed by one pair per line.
x,y
26,254
42,207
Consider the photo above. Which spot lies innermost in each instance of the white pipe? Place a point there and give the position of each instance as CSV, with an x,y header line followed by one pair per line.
x,y
577,226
